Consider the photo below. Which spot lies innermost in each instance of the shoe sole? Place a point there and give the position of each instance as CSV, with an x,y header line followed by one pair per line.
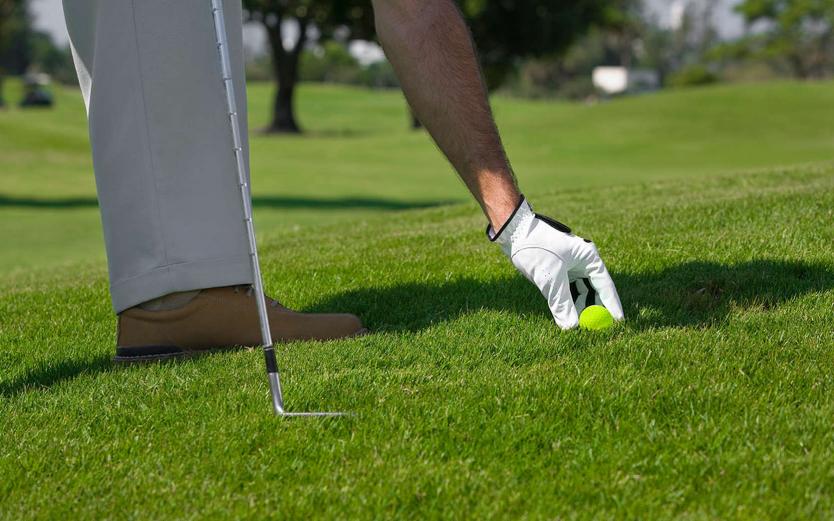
x,y
128,355
134,355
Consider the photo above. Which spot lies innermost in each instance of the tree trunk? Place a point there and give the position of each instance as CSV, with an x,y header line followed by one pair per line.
x,y
285,68
797,64
283,108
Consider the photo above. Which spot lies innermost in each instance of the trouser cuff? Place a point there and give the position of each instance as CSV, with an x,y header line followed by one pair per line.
x,y
186,276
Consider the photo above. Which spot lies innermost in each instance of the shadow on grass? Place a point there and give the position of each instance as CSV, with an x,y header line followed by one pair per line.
x,y
291,203
694,294
55,373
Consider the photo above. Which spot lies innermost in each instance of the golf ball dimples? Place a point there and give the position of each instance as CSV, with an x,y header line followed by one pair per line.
x,y
595,318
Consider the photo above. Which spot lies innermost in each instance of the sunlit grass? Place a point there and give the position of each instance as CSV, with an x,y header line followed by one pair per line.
x,y
713,400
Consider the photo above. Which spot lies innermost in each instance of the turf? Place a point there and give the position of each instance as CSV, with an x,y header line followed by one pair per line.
x,y
713,400
359,159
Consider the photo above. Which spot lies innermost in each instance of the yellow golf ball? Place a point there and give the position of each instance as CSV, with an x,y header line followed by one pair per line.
x,y
595,318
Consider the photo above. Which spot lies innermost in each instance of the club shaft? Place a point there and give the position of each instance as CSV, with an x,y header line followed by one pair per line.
x,y
246,198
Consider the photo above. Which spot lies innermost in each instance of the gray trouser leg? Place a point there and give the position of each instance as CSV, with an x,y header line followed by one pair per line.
x,y
162,149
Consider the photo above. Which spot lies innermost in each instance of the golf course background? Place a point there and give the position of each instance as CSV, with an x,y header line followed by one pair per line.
x,y
712,207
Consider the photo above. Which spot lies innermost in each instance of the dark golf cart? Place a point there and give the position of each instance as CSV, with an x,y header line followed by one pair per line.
x,y
36,91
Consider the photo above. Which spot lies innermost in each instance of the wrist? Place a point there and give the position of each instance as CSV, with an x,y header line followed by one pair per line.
x,y
500,214
499,195
520,218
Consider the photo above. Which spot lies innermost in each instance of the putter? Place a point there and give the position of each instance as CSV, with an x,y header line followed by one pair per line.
x,y
258,286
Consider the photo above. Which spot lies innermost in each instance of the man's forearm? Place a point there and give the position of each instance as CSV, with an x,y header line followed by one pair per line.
x,y
430,48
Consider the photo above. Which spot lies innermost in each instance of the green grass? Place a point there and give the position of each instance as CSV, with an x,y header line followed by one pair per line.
x,y
359,159
712,207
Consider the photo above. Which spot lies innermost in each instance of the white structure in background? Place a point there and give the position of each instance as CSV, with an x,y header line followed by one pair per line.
x,y
620,80
366,53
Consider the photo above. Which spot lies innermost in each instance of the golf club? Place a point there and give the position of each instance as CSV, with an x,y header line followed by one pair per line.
x,y
237,144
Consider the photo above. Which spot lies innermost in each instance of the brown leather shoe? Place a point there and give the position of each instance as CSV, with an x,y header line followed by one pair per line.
x,y
220,318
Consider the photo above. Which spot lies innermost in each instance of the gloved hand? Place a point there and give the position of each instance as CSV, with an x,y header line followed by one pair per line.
x,y
567,269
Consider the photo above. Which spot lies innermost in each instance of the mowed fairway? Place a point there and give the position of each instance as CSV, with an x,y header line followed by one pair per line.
x,y
715,399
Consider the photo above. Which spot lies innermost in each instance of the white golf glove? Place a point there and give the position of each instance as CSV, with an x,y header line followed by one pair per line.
x,y
567,269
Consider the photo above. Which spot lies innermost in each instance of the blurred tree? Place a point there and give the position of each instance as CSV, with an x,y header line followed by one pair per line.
x,y
617,38
326,17
504,32
510,30
329,62
51,59
682,49
379,75
14,21
799,33
621,30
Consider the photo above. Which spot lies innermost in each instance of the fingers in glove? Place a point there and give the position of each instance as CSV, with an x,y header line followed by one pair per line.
x,y
549,273
605,288
560,300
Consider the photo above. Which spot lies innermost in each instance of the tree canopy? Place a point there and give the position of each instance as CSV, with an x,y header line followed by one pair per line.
x,y
508,30
14,21
14,24
799,33
504,31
